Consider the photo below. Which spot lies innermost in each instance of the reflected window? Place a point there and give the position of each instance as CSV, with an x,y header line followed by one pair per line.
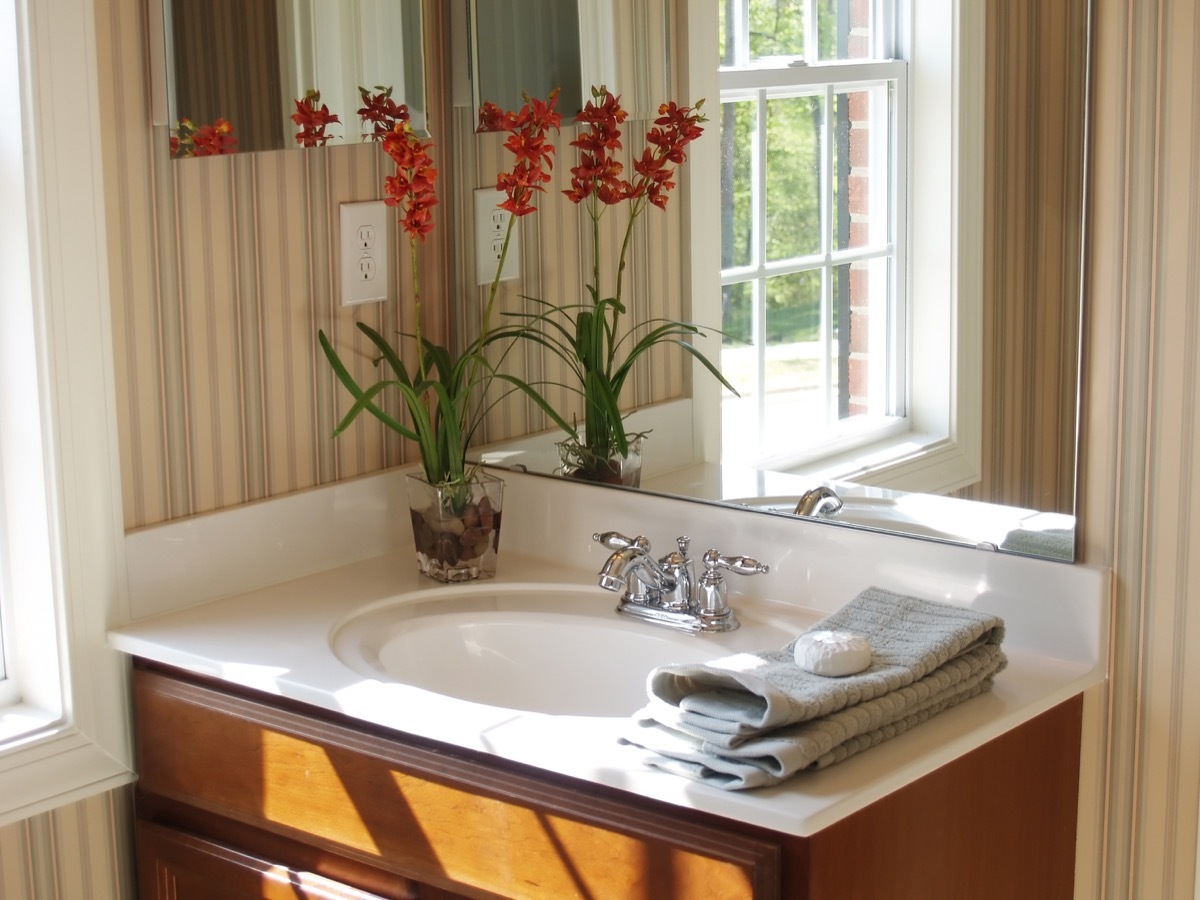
x,y
812,266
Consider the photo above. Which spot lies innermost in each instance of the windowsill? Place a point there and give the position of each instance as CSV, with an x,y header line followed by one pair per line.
x,y
909,461
21,725
914,462
45,764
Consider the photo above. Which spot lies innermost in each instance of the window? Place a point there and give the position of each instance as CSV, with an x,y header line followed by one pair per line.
x,y
812,125
63,720
890,319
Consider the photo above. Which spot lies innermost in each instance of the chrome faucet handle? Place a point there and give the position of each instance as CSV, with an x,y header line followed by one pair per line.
x,y
614,540
680,567
712,594
739,565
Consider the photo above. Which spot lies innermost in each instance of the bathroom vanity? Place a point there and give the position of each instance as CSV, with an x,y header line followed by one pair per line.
x,y
279,755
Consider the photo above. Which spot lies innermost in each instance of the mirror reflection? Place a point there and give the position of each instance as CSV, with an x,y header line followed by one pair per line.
x,y
525,47
1032,218
240,73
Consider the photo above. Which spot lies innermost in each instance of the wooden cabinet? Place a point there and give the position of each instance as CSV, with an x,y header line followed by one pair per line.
x,y
245,795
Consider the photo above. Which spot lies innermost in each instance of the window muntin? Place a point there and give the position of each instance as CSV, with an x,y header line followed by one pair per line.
x,y
760,31
811,268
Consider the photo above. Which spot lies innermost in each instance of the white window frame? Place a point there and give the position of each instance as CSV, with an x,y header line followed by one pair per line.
x,y
760,84
68,735
943,40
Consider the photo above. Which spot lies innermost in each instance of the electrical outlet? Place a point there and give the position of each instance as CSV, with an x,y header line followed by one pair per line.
x,y
364,252
491,224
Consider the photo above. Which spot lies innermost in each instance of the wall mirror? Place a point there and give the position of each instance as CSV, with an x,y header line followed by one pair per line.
x,y
525,47
246,62
1031,218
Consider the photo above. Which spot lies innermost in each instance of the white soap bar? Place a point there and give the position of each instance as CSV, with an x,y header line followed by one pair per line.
x,y
833,652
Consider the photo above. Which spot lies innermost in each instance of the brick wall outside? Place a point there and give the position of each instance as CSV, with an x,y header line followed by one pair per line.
x,y
859,204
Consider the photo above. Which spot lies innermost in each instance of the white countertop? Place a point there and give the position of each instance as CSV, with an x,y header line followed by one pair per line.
x,y
277,639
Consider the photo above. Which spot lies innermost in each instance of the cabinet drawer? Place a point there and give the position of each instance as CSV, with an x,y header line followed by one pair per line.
x,y
433,816
178,866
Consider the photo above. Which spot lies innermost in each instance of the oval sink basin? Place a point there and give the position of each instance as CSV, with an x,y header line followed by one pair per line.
x,y
553,649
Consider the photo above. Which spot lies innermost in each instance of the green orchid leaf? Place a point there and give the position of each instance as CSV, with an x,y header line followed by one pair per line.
x,y
387,352
532,393
704,360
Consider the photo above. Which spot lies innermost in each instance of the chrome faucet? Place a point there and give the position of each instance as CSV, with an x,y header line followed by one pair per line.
x,y
666,591
818,501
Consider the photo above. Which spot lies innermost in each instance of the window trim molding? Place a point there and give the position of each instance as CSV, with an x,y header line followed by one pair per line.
x,y
942,451
77,743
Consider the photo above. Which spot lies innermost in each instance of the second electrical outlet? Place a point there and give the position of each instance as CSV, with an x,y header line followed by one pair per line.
x,y
491,224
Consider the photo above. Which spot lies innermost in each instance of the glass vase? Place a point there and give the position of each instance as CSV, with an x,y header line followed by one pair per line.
x,y
577,461
456,527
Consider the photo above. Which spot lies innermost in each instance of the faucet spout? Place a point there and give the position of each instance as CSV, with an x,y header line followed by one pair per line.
x,y
631,568
818,501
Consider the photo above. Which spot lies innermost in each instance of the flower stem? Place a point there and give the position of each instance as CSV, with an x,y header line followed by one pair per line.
x,y
416,282
635,210
485,325
595,211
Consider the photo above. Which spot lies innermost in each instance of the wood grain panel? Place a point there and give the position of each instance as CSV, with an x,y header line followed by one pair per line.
x,y
179,866
1001,808
434,815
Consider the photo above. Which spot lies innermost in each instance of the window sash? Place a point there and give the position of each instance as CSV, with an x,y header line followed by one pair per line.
x,y
760,84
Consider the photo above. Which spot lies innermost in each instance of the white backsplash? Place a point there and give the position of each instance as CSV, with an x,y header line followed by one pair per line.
x,y
1051,609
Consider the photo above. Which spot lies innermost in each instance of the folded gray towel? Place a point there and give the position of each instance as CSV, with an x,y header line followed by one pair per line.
x,y
1058,543
754,719
775,756
748,693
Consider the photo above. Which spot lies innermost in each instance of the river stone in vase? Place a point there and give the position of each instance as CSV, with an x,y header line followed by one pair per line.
x,y
456,527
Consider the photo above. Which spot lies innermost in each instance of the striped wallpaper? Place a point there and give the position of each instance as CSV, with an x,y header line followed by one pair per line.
x,y
83,851
1140,467
1033,237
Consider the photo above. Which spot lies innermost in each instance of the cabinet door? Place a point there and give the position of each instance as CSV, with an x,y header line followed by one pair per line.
x,y
173,865
437,816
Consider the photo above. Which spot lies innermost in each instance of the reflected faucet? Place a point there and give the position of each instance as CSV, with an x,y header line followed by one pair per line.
x,y
819,501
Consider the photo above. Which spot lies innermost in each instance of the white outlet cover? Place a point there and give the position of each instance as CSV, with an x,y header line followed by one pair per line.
x,y
358,286
491,223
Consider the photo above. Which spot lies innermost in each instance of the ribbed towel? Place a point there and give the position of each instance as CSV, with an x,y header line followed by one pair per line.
x,y
755,719
1055,542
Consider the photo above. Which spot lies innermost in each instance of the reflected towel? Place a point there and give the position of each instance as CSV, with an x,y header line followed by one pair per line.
x,y
746,694
1057,543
